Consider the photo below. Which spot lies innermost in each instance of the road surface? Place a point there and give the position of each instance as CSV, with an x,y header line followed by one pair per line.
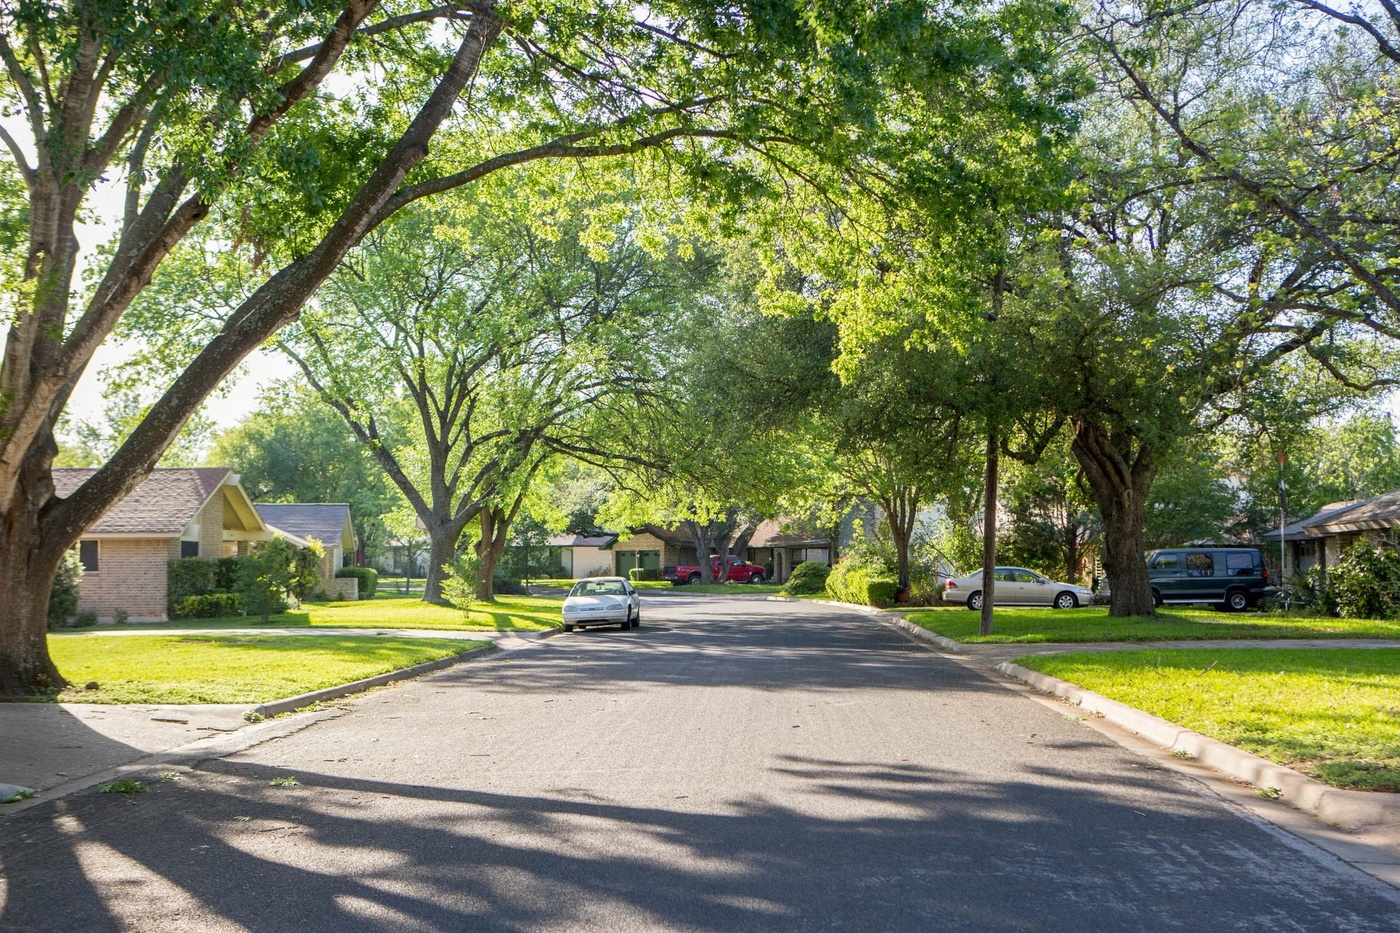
x,y
734,764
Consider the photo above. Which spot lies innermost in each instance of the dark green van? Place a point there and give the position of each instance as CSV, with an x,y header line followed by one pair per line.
x,y
1232,577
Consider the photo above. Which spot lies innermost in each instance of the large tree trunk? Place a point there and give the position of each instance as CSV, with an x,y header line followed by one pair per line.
x,y
1120,473
442,549
495,530
989,531
28,562
703,539
1071,552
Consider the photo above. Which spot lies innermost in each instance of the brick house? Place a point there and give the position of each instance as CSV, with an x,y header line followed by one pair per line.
x,y
194,512
186,512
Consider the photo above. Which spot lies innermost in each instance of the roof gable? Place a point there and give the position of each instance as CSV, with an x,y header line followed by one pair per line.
x,y
162,506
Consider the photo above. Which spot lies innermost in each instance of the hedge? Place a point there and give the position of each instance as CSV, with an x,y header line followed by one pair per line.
x,y
368,577
209,606
808,578
644,573
189,576
857,586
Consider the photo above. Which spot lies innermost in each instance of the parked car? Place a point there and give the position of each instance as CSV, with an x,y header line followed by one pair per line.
x,y
1017,586
602,601
740,571
1233,578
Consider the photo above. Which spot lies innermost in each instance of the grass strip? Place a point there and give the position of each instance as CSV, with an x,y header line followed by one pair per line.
x,y
1092,624
231,668
1333,713
386,611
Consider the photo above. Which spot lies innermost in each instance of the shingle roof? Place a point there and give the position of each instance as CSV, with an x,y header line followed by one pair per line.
x,y
770,533
601,541
1380,513
164,503
323,521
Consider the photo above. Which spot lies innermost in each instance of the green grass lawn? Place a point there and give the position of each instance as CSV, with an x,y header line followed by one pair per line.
x,y
735,589
1333,713
1091,623
231,668
384,611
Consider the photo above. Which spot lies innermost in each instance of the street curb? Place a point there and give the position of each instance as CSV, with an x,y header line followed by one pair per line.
x,y
278,707
826,602
1346,809
924,634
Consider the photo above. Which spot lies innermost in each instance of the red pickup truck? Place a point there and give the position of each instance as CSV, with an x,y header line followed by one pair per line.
x,y
740,571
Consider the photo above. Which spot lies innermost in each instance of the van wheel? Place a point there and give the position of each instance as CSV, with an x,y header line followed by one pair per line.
x,y
974,602
1066,601
1156,599
1237,600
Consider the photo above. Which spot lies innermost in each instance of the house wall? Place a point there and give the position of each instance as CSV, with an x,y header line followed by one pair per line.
x,y
590,562
669,555
131,576
211,528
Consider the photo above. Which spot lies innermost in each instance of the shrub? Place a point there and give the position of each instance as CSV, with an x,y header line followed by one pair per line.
x,y
226,574
1366,582
808,579
306,569
85,619
189,576
121,617
63,597
1306,592
460,581
855,584
368,577
209,606
644,573
266,576
508,586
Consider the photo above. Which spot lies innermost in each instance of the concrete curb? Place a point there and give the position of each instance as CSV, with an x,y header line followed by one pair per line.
x,y
924,634
826,602
278,707
1347,809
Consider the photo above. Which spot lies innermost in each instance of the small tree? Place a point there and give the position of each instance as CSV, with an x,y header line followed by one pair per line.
x,y
306,569
266,577
63,596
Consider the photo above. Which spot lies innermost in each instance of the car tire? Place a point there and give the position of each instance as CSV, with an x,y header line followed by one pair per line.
x,y
568,626
1237,600
974,601
756,579
637,619
1066,601
693,578
1156,600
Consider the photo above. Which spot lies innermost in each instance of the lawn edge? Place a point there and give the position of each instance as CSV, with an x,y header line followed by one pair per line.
x,y
287,705
923,634
1349,810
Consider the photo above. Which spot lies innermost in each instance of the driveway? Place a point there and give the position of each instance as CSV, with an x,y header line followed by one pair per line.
x,y
735,764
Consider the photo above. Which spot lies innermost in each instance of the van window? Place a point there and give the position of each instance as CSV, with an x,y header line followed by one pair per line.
x,y
1200,565
1239,564
1164,562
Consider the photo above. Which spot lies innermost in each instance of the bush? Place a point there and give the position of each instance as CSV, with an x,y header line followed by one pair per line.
x,y
808,579
644,573
1306,592
306,569
1366,582
121,617
189,576
508,586
63,596
368,577
209,606
266,576
855,584
226,574
85,619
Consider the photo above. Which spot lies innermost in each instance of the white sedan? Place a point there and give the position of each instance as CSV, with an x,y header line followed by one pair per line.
x,y
602,601
1017,586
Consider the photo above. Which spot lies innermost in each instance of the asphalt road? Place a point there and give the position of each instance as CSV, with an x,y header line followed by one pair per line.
x,y
735,764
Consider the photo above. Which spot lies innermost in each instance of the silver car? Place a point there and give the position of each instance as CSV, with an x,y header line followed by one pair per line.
x,y
602,601
1017,586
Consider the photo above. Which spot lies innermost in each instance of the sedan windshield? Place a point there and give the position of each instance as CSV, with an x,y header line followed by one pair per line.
x,y
596,588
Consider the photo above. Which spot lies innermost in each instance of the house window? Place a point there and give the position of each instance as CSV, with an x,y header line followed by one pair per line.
x,y
87,555
189,548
